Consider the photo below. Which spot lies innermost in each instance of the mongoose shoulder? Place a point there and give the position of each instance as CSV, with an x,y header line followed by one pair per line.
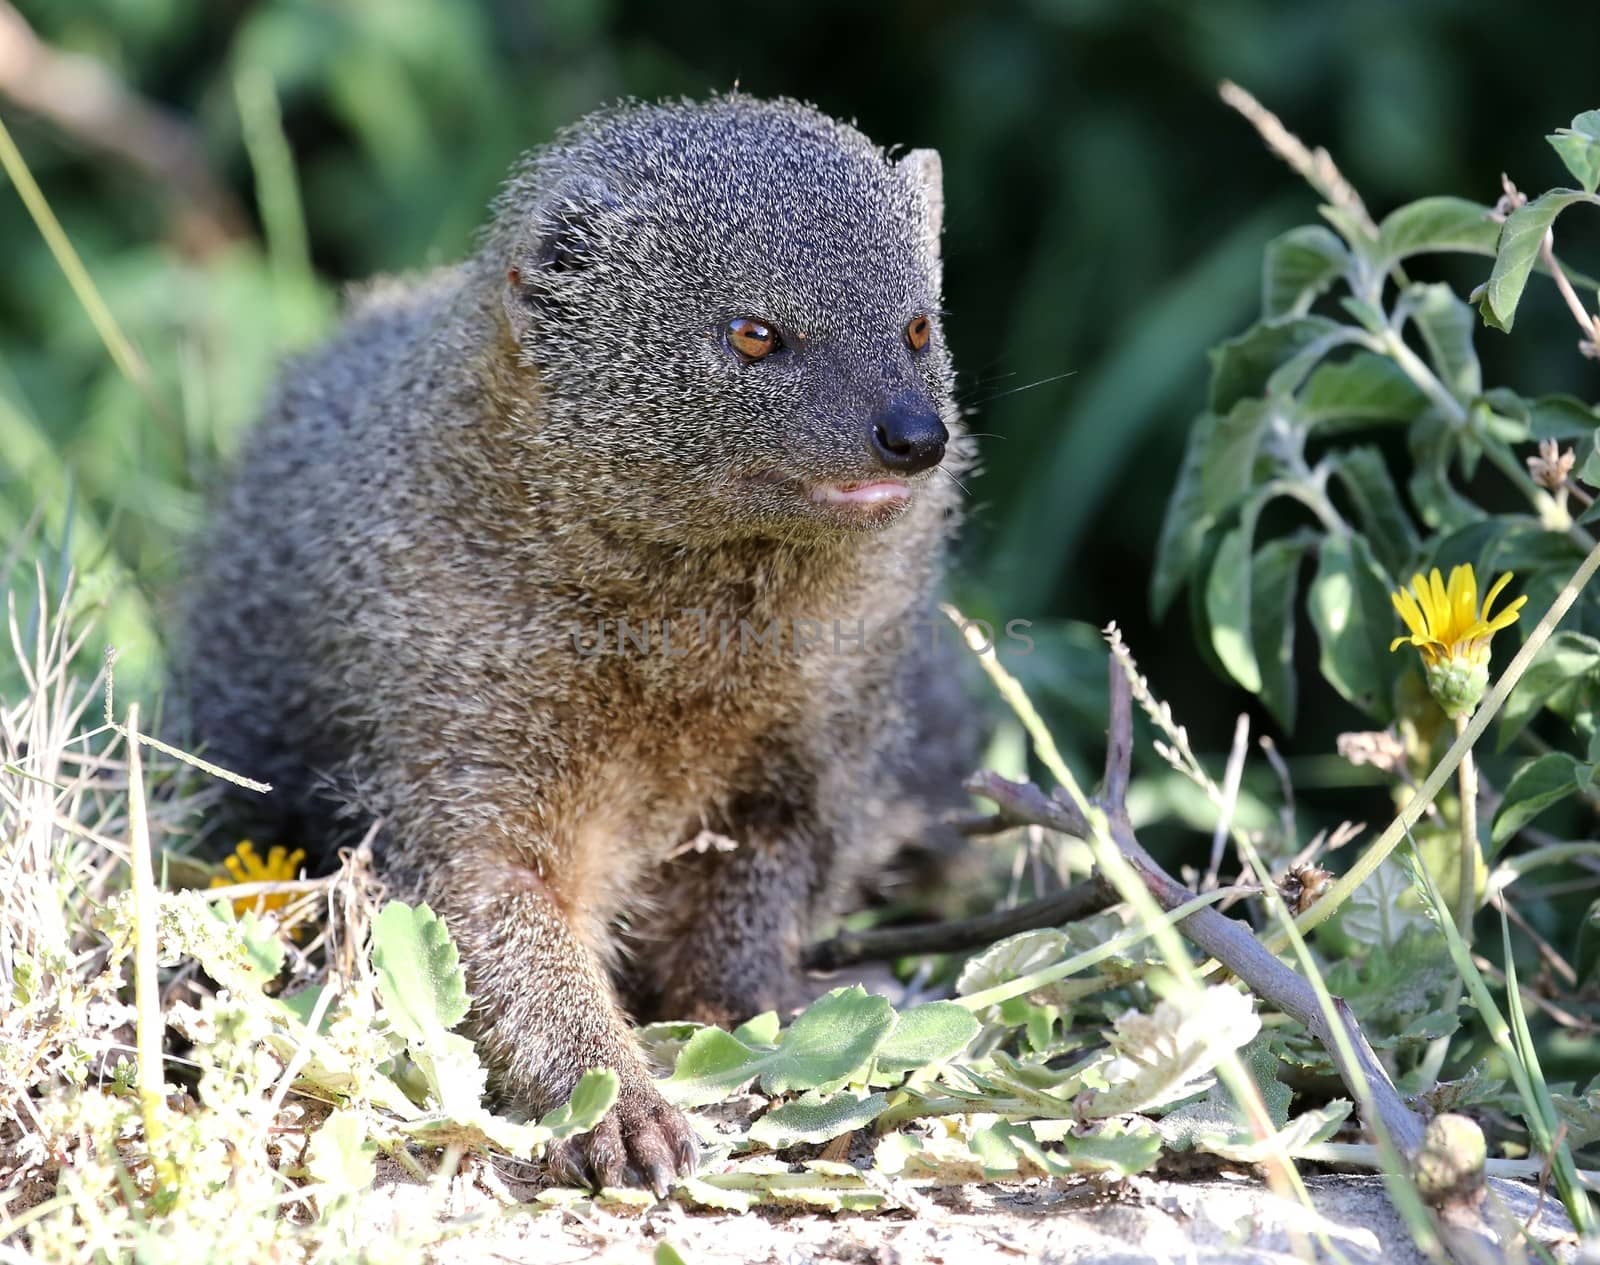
x,y
621,531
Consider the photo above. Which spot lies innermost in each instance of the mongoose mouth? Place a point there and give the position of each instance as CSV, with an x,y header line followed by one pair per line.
x,y
879,492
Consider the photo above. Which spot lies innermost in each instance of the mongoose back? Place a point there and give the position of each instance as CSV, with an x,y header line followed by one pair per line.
x,y
617,536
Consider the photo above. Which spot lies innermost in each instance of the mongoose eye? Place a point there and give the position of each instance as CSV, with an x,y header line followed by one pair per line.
x,y
918,331
750,339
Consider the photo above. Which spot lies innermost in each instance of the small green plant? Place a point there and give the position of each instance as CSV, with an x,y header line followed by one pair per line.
x,y
1351,431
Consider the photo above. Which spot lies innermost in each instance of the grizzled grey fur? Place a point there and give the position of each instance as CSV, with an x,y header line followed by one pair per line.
x,y
487,465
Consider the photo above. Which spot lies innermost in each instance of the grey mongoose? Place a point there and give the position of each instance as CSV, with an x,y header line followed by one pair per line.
x,y
555,564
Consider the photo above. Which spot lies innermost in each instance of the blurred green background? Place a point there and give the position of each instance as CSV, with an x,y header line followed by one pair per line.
x,y
1105,219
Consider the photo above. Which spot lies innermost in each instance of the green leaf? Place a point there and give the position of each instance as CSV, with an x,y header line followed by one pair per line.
x,y
1563,667
666,1254
1276,573
1437,224
1227,467
1446,325
1589,468
1356,234
710,1067
1378,912
831,1041
455,1078
817,1117
243,953
1241,366
1184,525
593,1096
1171,1053
1118,1147
419,972
1249,618
1433,442
1012,958
830,1044
1579,148
1349,605
1365,477
1535,787
1364,389
1561,417
1298,267
1520,239
762,1030
1228,601
340,1155
927,1036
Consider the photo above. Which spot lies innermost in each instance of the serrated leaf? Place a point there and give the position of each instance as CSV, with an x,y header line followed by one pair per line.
x,y
593,1096
1171,1053
340,1154
1349,605
1376,914
817,1117
926,1036
710,1067
1298,267
419,972
1430,225
246,955
1536,786
832,1042
762,1030
1119,1147
1564,665
1276,573
455,1078
1518,252
1579,148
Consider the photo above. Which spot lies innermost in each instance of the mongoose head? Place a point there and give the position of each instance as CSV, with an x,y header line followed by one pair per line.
x,y
730,310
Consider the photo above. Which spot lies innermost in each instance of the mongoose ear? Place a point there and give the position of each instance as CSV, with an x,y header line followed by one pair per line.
x,y
926,173
565,234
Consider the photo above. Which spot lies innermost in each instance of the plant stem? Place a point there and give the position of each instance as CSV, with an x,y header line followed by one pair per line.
x,y
148,1026
1467,868
1408,817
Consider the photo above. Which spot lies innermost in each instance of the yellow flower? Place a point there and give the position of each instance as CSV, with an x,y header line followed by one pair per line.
x,y
1452,633
244,866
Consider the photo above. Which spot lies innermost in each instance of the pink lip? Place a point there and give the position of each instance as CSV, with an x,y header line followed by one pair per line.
x,y
865,495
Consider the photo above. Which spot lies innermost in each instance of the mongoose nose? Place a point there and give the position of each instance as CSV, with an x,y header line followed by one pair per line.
x,y
907,440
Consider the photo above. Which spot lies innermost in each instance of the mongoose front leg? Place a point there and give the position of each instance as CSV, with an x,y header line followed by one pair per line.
x,y
543,1014
729,947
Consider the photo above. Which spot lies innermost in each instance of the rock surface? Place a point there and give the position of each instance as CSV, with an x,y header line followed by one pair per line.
x,y
1227,1218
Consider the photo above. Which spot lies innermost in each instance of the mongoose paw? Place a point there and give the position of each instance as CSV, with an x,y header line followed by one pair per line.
x,y
643,1141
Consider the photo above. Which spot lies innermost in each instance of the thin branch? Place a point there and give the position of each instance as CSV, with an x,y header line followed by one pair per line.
x,y
1078,901
1230,942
